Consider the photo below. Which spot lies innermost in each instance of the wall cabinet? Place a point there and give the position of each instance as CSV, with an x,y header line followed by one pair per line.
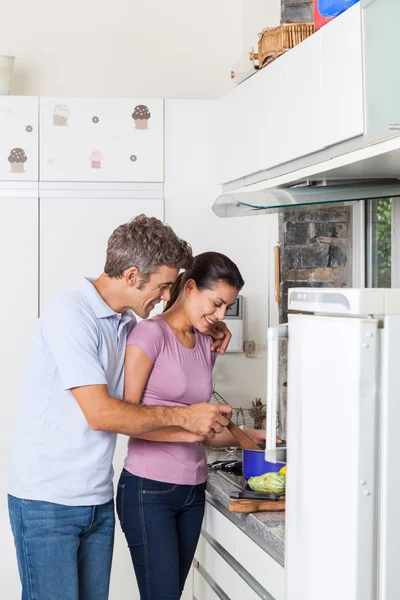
x,y
307,100
19,138
101,139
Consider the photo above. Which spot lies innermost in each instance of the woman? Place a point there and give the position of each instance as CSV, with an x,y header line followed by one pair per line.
x,y
161,492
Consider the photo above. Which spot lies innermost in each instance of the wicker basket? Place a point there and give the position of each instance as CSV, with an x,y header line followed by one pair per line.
x,y
275,41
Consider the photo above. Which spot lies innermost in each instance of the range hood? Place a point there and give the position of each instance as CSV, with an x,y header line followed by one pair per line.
x,y
272,200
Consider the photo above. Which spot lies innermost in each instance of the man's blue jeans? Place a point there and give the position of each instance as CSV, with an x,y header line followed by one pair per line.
x,y
63,552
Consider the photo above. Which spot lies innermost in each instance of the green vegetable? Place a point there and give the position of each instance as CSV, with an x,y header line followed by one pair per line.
x,y
272,483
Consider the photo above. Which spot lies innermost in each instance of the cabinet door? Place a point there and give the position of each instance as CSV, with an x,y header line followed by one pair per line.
x,y
342,78
382,79
292,120
101,139
74,234
19,119
18,316
226,148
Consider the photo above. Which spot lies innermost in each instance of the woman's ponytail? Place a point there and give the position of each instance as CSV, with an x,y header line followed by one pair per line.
x,y
175,291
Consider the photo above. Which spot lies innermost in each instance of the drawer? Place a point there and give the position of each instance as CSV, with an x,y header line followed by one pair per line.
x,y
218,569
221,529
204,588
269,574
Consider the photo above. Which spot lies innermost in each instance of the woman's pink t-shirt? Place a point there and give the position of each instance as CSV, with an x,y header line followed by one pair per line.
x,y
180,376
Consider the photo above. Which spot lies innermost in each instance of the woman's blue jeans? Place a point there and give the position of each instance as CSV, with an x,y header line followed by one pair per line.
x,y
162,524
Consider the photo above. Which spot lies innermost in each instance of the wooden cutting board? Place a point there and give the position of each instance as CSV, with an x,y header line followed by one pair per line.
x,y
251,506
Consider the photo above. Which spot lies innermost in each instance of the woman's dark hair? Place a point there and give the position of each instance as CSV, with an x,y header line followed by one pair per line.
x,y
206,270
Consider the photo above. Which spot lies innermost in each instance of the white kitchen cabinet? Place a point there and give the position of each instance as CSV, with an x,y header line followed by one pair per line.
x,y
273,117
74,230
218,569
19,135
101,139
342,78
226,148
202,588
18,316
231,559
293,107
382,79
265,570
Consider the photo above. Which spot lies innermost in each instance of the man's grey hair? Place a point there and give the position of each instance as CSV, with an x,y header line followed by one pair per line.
x,y
147,244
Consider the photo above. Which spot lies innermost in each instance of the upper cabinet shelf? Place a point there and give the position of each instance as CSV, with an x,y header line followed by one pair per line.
x,y
101,139
309,99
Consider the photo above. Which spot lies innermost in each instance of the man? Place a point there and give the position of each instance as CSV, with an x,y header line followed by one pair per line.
x,y
60,492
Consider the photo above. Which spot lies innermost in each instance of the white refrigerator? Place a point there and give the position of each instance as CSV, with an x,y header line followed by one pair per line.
x,y
343,443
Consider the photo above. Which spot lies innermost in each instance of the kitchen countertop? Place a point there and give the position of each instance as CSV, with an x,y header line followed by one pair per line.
x,y
267,529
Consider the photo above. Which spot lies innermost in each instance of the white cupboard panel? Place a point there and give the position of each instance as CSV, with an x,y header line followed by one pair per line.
x,y
101,139
18,316
342,78
221,529
269,574
202,589
226,148
292,108
217,568
19,138
74,234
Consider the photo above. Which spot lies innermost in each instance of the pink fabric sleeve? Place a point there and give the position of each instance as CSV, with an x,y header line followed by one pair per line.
x,y
148,336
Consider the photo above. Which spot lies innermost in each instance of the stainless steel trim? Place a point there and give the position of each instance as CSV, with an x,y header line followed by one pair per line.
x,y
236,566
213,584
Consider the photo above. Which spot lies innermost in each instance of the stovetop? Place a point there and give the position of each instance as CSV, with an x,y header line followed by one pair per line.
x,y
231,470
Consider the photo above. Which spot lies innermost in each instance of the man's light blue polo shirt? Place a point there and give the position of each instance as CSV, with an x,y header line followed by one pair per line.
x,y
56,457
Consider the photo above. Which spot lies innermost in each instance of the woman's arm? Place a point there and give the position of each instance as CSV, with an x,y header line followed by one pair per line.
x,y
138,367
226,439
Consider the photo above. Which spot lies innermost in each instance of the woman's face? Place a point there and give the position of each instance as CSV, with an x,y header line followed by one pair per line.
x,y
205,307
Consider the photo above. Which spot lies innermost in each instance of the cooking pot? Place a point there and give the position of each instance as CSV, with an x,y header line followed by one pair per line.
x,y
254,462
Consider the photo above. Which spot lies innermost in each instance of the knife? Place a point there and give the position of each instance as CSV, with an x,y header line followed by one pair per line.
x,y
253,496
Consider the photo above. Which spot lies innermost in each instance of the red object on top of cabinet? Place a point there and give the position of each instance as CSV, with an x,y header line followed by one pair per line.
x,y
319,20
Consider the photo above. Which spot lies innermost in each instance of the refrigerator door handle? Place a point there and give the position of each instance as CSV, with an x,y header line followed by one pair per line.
x,y
274,335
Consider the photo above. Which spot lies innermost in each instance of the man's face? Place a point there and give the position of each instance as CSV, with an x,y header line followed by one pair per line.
x,y
157,288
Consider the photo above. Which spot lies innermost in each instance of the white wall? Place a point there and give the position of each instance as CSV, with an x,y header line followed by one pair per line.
x,y
256,15
158,48
189,196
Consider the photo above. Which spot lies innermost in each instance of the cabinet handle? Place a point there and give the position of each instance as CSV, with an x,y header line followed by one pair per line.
x,y
277,255
394,126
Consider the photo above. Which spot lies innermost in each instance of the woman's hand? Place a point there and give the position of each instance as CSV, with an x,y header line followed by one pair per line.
x,y
222,337
258,435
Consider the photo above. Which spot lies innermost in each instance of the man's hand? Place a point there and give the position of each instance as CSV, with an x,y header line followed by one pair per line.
x,y
206,419
222,337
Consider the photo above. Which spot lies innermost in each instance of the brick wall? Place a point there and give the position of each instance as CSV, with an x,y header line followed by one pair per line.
x,y
297,11
315,252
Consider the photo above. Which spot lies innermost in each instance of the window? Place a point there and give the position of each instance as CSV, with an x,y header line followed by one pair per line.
x,y
378,242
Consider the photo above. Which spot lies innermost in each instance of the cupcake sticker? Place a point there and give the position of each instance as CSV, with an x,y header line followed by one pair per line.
x,y
141,116
95,158
61,113
17,160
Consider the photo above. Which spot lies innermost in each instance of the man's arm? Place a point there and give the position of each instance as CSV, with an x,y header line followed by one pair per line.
x,y
72,340
104,413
